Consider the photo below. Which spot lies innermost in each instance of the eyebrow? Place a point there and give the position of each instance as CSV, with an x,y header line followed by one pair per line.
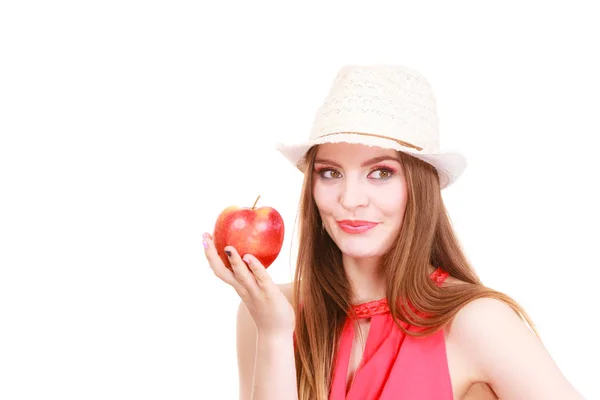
x,y
370,161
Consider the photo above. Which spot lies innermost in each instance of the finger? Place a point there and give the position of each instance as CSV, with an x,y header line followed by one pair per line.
x,y
241,271
263,279
216,264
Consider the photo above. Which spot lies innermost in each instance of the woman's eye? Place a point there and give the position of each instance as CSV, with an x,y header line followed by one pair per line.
x,y
330,174
381,173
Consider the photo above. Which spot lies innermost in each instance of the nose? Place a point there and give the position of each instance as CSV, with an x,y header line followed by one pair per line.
x,y
353,195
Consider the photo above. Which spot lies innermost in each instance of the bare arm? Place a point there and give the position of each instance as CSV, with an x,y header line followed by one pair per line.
x,y
246,351
265,326
508,356
275,371
266,364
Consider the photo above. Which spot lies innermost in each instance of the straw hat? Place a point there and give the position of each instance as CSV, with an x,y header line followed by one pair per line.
x,y
381,105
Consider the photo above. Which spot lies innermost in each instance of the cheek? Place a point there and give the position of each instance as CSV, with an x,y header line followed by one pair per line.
x,y
392,200
325,197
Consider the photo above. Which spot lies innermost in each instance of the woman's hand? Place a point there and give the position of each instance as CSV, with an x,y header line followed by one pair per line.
x,y
272,312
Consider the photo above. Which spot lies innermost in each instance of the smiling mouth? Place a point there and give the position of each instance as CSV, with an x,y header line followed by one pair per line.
x,y
355,227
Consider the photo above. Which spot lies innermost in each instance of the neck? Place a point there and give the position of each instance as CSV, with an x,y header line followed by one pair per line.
x,y
365,279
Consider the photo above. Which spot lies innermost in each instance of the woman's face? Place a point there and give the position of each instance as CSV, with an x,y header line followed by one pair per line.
x,y
360,192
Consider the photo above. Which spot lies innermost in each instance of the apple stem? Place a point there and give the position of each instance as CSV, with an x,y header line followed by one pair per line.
x,y
256,201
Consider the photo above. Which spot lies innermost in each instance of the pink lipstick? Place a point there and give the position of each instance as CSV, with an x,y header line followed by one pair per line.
x,y
355,226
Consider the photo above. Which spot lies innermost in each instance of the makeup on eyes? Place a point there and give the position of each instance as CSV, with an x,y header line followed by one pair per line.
x,y
379,167
384,167
321,170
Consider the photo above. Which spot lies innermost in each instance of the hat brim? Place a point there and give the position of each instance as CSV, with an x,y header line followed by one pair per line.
x,y
450,165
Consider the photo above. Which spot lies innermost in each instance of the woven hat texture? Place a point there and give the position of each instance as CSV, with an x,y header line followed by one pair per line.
x,y
381,105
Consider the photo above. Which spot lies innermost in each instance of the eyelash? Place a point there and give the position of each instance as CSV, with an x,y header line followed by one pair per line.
x,y
391,172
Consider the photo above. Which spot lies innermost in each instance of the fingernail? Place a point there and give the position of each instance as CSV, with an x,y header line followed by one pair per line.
x,y
246,260
228,253
205,244
205,236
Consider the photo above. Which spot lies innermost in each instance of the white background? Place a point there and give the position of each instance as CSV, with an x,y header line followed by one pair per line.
x,y
126,127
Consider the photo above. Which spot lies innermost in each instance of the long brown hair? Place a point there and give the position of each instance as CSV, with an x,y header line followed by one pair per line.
x,y
322,293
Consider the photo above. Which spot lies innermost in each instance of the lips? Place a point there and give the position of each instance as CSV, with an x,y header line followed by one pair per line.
x,y
355,226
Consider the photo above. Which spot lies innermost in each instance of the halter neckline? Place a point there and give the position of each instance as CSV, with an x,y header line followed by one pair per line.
x,y
380,306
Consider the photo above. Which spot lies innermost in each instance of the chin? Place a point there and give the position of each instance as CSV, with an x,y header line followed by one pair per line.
x,y
360,249
358,255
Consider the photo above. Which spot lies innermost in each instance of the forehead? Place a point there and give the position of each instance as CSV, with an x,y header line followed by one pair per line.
x,y
351,152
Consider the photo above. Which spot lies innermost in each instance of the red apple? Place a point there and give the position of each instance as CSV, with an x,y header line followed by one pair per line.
x,y
258,231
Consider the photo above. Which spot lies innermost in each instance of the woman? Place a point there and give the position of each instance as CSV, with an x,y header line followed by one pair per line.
x,y
384,304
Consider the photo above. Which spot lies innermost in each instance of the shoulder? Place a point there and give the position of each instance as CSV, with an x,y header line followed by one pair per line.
x,y
471,316
505,352
486,323
287,289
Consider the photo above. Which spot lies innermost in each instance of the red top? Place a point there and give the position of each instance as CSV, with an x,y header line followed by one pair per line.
x,y
393,365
